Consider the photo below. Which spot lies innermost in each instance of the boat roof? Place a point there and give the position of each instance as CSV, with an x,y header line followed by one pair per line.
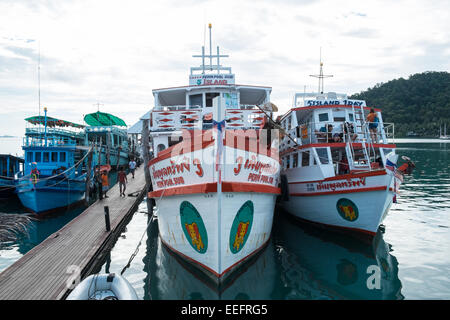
x,y
19,159
103,119
310,101
248,94
52,122
137,127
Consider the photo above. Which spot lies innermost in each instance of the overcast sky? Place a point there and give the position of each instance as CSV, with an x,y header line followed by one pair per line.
x,y
116,52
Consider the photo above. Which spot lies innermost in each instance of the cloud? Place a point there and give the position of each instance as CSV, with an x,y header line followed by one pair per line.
x,y
116,54
363,33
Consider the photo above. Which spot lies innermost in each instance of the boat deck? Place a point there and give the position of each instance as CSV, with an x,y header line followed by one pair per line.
x,y
43,272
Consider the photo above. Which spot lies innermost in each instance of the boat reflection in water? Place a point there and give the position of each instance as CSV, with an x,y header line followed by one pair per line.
x,y
299,262
319,264
172,278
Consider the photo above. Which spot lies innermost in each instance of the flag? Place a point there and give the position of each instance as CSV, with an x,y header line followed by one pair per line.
x,y
390,165
219,126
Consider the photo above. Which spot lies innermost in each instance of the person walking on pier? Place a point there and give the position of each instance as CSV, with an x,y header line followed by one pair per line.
x,y
132,166
98,182
122,180
105,183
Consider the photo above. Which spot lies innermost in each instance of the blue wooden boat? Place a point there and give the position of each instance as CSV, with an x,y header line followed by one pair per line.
x,y
54,175
109,134
9,166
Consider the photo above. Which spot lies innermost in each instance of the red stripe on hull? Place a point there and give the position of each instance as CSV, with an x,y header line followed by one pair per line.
x,y
360,233
212,187
347,176
357,145
381,188
217,275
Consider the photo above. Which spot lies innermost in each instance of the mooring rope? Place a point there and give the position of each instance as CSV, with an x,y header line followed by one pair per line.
x,y
140,241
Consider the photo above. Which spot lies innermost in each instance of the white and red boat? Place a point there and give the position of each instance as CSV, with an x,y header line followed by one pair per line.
x,y
345,176
215,178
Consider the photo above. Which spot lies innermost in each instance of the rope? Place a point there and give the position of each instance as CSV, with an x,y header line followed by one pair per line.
x,y
140,241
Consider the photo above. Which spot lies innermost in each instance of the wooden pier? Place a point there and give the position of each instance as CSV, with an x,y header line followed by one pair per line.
x,y
46,271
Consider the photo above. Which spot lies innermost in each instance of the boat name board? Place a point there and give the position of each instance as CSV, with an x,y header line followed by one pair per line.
x,y
164,175
339,185
211,79
345,102
256,170
198,168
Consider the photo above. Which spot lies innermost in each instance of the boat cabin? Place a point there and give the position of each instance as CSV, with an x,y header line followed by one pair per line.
x,y
50,144
191,107
329,134
10,165
107,130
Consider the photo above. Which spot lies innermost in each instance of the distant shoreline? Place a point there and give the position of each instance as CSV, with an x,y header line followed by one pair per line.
x,y
7,136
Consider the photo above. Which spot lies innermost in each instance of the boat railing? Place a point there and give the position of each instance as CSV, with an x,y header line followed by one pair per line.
x,y
53,131
51,142
318,132
246,117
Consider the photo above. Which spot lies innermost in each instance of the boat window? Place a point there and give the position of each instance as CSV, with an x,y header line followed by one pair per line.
x,y
231,100
196,100
323,117
323,155
288,162
350,117
37,157
305,158
336,119
30,156
295,160
54,156
46,156
62,157
161,147
210,97
289,123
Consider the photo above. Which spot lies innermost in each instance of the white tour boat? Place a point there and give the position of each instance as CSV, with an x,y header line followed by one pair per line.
x,y
344,176
214,176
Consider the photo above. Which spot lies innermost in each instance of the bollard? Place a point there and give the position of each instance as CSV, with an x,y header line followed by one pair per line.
x,y
108,227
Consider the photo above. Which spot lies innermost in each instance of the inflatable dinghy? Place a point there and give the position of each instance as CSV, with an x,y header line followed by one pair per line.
x,y
103,287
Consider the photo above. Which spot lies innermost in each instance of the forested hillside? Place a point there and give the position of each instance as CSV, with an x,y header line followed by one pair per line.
x,y
419,104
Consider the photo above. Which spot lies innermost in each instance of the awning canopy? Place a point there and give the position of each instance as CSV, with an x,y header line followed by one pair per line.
x,y
103,119
53,122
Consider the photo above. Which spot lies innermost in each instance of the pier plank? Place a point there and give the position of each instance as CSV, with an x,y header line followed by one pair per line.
x,y
42,273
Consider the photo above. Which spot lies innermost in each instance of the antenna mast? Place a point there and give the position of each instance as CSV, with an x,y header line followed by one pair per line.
x,y
320,76
211,66
39,79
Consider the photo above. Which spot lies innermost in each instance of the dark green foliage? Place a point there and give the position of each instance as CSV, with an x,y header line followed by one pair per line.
x,y
418,104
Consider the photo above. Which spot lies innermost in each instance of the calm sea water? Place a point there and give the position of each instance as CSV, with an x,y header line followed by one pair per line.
x,y
303,262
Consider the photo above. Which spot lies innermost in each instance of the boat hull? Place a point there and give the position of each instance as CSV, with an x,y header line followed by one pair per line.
x,y
219,245
7,188
41,199
359,206
214,216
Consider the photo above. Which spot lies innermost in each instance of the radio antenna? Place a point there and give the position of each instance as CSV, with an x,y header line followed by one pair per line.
x,y
320,76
